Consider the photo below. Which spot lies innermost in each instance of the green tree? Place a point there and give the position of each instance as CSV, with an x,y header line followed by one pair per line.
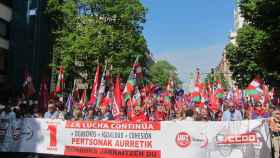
x,y
243,57
106,30
161,71
264,16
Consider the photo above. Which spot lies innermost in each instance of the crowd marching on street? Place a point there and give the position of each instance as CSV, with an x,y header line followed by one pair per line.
x,y
113,100
137,102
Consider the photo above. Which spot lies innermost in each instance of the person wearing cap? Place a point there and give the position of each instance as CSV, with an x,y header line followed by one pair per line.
x,y
52,111
274,125
232,114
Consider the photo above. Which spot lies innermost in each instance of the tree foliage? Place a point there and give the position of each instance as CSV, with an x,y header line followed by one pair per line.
x,y
88,32
257,49
264,15
161,71
243,58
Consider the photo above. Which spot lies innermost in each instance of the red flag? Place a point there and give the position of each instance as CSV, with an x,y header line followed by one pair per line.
x,y
219,89
130,112
118,98
253,88
214,102
93,95
106,101
265,95
83,99
149,89
60,84
237,96
108,76
102,87
179,104
196,94
205,94
60,81
131,82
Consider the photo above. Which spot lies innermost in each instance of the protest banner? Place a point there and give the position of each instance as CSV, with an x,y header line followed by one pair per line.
x,y
246,139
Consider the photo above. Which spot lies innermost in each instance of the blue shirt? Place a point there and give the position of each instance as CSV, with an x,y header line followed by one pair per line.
x,y
229,116
53,115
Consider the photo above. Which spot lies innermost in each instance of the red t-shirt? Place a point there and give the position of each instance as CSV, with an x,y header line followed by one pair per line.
x,y
160,116
139,118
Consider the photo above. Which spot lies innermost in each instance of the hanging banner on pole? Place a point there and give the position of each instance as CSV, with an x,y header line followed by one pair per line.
x,y
246,139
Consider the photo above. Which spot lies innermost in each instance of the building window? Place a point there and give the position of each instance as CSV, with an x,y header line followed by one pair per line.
x,y
4,32
7,2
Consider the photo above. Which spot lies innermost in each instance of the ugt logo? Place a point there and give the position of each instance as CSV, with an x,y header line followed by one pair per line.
x,y
183,139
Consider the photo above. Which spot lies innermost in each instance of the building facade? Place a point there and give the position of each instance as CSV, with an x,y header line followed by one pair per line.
x,y
24,44
224,65
5,20
29,42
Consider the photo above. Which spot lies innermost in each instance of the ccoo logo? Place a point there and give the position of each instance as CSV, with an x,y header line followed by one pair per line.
x,y
183,139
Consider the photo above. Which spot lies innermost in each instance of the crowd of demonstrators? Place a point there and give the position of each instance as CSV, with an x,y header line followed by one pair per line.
x,y
151,103
153,108
152,112
135,101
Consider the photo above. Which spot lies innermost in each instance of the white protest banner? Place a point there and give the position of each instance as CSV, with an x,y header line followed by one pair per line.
x,y
245,139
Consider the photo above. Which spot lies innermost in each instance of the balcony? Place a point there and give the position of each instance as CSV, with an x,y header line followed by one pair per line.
x,y
5,12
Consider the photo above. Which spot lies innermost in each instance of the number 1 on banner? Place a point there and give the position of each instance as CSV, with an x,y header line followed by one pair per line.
x,y
53,136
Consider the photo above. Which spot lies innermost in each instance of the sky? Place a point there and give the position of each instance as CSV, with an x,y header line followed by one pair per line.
x,y
188,33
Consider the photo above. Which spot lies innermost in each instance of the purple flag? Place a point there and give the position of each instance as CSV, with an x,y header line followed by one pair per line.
x,y
69,103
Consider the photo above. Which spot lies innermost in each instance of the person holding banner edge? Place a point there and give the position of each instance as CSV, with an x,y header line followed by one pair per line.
x,y
274,124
